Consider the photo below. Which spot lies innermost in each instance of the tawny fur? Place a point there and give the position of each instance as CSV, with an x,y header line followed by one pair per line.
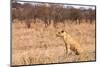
x,y
70,43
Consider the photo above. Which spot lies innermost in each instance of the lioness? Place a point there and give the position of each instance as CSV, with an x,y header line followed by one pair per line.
x,y
70,43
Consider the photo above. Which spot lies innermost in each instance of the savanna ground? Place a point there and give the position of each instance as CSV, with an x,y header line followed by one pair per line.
x,y
40,45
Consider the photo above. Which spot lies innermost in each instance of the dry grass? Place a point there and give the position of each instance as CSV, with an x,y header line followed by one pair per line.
x,y
39,45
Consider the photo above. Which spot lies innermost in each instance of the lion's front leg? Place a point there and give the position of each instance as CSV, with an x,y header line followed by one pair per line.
x,y
67,49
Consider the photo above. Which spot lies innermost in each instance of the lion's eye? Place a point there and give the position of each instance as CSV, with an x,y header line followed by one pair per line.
x,y
62,31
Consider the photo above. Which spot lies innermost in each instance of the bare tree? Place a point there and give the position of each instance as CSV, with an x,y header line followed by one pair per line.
x,y
51,12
